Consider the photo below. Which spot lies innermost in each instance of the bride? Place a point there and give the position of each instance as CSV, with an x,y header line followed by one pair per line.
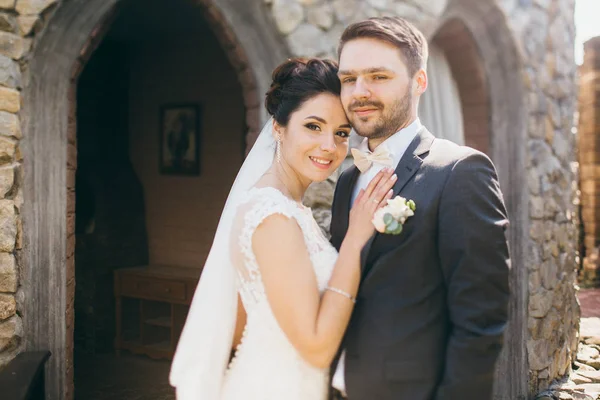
x,y
297,293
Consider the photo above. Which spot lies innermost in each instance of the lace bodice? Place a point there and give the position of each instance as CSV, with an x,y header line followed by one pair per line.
x,y
266,365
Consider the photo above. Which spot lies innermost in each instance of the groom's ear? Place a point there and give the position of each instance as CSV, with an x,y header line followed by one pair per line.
x,y
421,81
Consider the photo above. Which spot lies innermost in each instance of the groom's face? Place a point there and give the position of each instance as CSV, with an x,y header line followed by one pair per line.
x,y
377,91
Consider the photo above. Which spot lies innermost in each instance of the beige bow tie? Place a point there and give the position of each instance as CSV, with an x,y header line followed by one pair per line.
x,y
364,160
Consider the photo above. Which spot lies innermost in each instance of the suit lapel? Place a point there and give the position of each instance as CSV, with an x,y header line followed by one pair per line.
x,y
412,159
407,167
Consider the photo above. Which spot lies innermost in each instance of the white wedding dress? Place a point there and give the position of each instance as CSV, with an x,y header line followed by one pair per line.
x,y
266,366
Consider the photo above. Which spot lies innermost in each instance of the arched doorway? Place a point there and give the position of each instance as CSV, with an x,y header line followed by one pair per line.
x,y
252,47
461,73
440,108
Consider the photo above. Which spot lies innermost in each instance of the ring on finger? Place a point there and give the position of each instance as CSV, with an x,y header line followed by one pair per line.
x,y
376,201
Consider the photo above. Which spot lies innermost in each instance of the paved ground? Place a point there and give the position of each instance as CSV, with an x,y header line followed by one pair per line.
x,y
128,377
590,302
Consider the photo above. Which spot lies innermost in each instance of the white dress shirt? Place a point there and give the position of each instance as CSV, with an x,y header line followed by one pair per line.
x,y
397,145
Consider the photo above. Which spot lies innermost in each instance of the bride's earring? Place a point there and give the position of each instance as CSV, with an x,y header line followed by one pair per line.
x,y
278,149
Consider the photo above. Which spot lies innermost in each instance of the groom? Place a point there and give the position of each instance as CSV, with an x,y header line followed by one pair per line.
x,y
432,305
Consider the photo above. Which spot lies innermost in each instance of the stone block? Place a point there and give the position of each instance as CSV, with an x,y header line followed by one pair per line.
x,y
380,4
549,273
8,23
536,231
7,179
8,306
288,15
13,46
247,79
10,73
538,354
365,11
70,226
19,237
550,324
70,245
70,269
71,202
590,327
592,376
589,355
540,303
30,7
9,123
252,119
319,194
8,226
71,174
306,41
536,207
321,16
582,395
345,10
251,100
409,12
11,332
72,156
7,150
10,101
18,197
237,58
29,24
7,4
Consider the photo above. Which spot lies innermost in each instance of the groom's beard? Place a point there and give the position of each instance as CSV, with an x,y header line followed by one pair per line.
x,y
392,118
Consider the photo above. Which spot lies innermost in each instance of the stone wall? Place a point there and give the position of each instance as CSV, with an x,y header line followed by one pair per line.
x,y
15,24
589,160
545,33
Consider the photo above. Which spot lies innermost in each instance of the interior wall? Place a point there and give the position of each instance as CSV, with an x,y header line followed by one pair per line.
x,y
182,212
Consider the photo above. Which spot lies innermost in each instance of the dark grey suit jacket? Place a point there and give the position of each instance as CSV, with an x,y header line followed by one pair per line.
x,y
432,305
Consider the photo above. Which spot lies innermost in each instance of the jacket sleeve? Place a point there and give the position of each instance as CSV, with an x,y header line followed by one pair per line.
x,y
475,260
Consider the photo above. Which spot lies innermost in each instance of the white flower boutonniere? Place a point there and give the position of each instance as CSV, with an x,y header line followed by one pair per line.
x,y
391,218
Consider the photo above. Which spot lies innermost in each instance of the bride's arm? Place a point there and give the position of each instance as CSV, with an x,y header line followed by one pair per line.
x,y
315,325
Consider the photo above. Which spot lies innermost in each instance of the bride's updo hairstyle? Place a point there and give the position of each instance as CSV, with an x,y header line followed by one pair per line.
x,y
298,80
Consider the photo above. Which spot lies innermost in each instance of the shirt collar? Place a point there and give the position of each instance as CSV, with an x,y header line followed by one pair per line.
x,y
398,142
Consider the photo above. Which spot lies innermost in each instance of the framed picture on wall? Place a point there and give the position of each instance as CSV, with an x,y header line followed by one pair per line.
x,y
180,139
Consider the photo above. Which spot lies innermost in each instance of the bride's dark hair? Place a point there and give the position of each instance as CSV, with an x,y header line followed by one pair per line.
x,y
298,80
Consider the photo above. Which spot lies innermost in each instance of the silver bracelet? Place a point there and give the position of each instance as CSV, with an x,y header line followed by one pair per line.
x,y
338,291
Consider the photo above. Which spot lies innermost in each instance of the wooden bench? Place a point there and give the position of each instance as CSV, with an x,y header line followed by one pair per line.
x,y
23,377
164,294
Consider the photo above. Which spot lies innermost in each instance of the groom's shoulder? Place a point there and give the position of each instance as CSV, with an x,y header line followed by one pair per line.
x,y
446,152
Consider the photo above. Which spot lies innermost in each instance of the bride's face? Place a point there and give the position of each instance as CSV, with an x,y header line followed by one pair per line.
x,y
315,141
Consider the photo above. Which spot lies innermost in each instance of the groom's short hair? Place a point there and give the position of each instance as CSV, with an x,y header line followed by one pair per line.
x,y
394,30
